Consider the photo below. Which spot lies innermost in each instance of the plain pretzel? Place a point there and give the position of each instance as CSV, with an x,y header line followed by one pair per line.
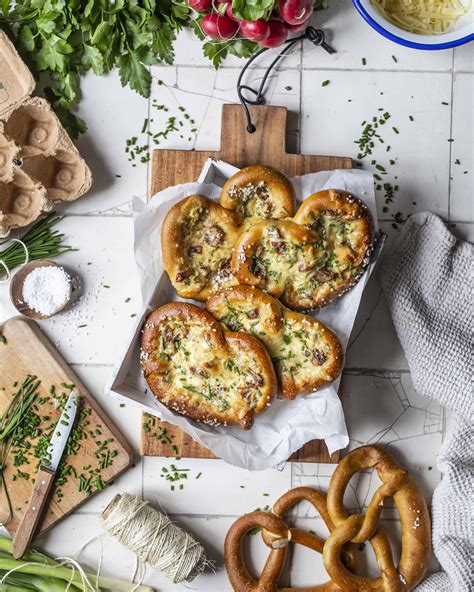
x,y
277,536
414,518
338,556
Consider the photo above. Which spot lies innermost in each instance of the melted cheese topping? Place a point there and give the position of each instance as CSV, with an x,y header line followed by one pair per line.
x,y
193,368
280,259
346,244
304,350
253,201
207,250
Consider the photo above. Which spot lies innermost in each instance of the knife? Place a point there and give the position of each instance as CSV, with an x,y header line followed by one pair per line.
x,y
45,477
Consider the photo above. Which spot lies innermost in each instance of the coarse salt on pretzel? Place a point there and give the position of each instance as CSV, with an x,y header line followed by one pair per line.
x,y
414,517
277,536
259,192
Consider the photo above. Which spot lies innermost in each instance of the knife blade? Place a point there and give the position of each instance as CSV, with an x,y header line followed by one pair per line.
x,y
59,438
45,477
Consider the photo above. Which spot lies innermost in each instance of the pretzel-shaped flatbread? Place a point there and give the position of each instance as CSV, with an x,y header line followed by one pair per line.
x,y
307,354
259,192
277,535
414,517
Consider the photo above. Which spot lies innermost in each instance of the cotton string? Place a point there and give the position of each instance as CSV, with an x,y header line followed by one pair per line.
x,y
152,536
5,266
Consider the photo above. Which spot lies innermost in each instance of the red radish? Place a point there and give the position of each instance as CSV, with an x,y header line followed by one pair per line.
x,y
230,14
278,34
258,30
297,28
200,4
219,26
295,12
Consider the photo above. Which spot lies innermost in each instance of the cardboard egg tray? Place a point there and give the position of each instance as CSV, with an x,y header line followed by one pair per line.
x,y
39,164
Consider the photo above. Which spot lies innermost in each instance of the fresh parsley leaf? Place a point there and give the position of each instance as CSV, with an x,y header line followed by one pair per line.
x,y
134,73
92,59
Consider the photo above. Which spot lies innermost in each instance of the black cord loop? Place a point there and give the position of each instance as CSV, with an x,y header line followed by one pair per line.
x,y
316,36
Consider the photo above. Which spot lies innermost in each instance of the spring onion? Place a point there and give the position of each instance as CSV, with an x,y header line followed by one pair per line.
x,y
37,572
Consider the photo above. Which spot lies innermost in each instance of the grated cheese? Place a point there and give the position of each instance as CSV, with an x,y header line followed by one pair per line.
x,y
424,17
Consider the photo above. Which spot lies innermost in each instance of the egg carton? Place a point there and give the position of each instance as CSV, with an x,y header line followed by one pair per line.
x,y
39,164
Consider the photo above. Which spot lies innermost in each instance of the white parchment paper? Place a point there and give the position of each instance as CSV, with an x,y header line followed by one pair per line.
x,y
287,425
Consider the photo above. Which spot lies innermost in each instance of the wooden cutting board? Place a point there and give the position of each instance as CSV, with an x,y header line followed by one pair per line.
x,y
267,145
28,351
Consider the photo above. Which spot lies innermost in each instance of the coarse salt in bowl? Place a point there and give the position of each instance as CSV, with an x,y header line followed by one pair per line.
x,y
47,289
460,32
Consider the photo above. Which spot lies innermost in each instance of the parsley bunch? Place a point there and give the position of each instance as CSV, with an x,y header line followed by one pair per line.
x,y
66,38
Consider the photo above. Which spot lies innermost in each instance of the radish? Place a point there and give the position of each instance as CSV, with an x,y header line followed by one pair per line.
x,y
219,26
278,34
295,12
200,4
230,14
297,28
258,30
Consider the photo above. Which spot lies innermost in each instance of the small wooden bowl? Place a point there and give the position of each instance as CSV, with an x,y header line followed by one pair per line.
x,y
16,290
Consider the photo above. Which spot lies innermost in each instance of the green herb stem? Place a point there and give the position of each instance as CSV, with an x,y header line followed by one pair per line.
x,y
41,241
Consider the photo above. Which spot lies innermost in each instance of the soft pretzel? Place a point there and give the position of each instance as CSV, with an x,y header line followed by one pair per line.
x,y
196,369
197,238
259,192
282,258
307,355
414,517
338,554
314,258
277,535
346,228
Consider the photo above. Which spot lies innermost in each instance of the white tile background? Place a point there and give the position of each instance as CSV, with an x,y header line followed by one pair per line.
x,y
380,402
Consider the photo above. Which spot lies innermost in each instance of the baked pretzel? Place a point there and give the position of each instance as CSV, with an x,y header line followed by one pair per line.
x,y
277,535
259,192
414,517
196,241
345,226
338,556
199,370
283,258
307,355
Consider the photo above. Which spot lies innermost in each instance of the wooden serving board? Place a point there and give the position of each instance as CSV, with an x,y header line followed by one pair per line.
x,y
28,351
267,145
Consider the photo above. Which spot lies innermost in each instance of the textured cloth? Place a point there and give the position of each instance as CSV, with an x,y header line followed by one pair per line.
x,y
428,280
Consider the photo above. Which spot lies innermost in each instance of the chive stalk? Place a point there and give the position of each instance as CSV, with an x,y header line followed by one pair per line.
x,y
41,241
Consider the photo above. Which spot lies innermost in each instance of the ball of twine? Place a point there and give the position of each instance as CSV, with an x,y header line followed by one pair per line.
x,y
156,540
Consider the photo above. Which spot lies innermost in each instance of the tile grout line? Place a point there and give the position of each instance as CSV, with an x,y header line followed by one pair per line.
x,y
451,143
316,68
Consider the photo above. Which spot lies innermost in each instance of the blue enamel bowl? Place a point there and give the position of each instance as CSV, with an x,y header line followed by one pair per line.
x,y
462,31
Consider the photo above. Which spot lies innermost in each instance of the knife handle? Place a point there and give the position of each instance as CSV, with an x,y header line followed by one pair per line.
x,y
29,522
